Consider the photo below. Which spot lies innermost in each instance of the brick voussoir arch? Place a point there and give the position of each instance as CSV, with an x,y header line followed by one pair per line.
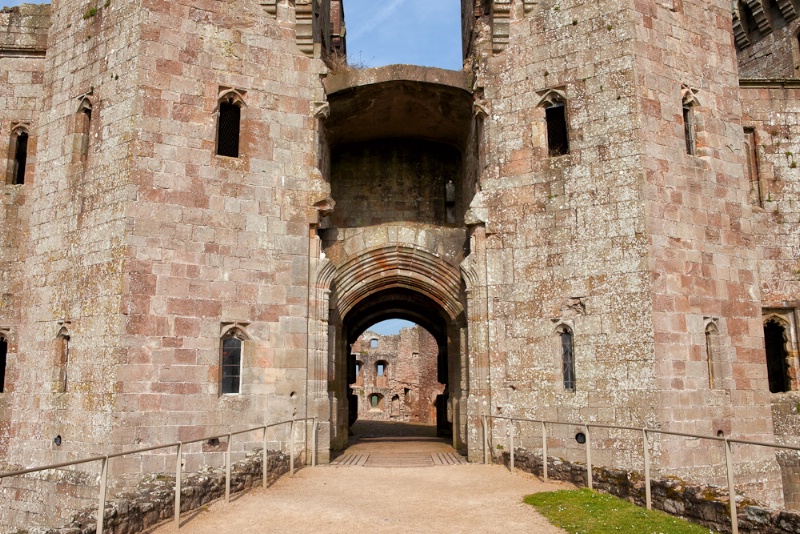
x,y
394,266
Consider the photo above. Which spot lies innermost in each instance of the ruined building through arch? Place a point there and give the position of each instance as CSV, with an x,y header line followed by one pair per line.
x,y
607,192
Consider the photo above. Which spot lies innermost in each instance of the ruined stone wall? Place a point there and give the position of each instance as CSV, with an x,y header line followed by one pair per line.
x,y
218,242
410,376
701,230
766,39
565,244
23,40
393,180
773,112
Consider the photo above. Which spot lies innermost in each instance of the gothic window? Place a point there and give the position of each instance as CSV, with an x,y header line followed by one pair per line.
x,y
567,357
712,352
62,348
19,155
751,153
231,362
3,356
554,102
775,339
83,127
557,138
690,103
229,118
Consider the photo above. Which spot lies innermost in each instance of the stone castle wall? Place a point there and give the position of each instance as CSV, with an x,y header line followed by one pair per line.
x,y
409,387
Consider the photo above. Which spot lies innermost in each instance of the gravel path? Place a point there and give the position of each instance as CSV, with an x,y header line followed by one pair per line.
x,y
365,500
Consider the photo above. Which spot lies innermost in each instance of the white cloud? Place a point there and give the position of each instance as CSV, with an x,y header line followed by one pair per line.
x,y
377,19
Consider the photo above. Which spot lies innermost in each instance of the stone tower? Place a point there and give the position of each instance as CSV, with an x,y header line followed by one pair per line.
x,y
214,208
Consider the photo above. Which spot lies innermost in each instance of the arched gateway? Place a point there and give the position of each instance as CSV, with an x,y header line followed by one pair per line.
x,y
401,174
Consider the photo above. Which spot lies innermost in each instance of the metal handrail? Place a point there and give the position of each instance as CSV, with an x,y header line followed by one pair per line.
x,y
179,462
727,443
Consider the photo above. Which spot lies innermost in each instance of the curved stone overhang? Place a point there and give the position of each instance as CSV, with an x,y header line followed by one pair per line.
x,y
399,101
398,281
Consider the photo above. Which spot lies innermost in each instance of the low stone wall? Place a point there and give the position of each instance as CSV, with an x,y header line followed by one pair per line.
x,y
154,499
705,505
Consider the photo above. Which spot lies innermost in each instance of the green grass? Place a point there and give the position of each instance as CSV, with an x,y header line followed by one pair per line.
x,y
588,512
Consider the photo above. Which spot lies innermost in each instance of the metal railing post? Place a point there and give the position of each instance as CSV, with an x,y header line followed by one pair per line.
x,y
228,470
264,460
544,451
178,470
511,444
291,448
646,448
485,441
101,507
731,486
588,458
314,430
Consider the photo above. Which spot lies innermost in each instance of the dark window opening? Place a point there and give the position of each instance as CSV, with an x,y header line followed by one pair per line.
x,y
20,158
557,136
711,338
3,355
689,130
751,152
777,368
63,360
231,365
228,129
568,360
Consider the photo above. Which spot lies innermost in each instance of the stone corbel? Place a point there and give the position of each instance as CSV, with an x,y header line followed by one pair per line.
x,y
528,5
501,24
270,6
304,26
321,110
760,15
739,29
787,9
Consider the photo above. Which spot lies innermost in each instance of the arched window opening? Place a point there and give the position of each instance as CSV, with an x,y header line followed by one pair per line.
x,y
567,357
373,343
690,103
63,349
83,127
751,153
231,362
19,147
229,119
689,130
376,402
777,366
3,363
395,405
712,342
557,133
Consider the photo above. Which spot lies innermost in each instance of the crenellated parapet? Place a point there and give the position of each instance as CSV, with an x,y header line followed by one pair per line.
x,y
501,21
309,16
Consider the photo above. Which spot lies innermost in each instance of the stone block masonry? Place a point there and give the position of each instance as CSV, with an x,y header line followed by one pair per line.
x,y
153,500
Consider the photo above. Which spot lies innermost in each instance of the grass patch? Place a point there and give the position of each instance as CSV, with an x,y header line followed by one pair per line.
x,y
587,512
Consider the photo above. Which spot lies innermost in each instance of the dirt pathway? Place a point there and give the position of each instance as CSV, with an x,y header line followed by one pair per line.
x,y
356,499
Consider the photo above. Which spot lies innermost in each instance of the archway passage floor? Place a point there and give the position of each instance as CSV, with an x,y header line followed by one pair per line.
x,y
465,498
330,498
390,444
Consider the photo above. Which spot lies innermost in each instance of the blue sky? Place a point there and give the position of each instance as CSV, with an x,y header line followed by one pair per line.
x,y
383,32
417,32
